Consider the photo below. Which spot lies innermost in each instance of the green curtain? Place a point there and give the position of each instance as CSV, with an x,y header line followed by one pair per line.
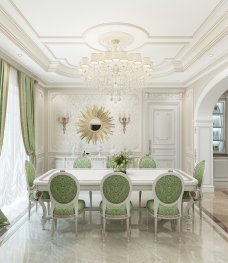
x,y
27,110
4,81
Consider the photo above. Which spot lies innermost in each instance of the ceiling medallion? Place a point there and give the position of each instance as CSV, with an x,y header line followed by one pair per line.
x,y
95,124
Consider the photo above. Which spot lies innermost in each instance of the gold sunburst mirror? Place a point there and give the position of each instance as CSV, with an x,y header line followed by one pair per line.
x,y
95,124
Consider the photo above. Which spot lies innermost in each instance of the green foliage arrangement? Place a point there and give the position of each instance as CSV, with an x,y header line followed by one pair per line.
x,y
120,162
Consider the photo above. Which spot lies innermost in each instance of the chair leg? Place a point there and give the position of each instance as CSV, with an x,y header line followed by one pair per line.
x,y
193,211
103,230
155,228
147,220
76,226
48,207
90,198
84,216
179,228
55,223
128,229
140,199
200,208
52,228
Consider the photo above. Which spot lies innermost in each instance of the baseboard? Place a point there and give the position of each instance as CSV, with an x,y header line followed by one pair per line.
x,y
208,188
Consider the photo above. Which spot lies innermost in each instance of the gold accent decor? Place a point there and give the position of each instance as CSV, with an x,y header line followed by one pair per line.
x,y
63,120
95,124
124,120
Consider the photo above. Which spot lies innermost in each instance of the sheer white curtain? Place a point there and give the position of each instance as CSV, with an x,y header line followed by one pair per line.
x,y
12,178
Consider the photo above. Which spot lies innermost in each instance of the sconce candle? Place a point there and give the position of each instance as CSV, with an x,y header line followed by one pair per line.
x,y
124,120
63,120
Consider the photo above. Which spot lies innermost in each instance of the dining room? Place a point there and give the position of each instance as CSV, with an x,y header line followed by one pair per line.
x,y
124,99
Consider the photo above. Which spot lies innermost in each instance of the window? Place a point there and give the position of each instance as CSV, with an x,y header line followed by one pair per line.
x,y
12,178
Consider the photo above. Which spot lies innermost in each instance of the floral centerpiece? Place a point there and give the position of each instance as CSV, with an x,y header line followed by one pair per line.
x,y
120,162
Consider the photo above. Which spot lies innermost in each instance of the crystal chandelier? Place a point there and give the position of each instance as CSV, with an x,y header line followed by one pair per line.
x,y
116,72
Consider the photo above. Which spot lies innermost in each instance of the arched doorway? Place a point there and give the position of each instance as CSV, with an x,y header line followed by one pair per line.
x,y
203,137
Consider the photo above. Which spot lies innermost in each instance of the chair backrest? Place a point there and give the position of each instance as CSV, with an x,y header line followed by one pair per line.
x,y
82,162
168,189
147,162
30,173
63,189
199,172
116,190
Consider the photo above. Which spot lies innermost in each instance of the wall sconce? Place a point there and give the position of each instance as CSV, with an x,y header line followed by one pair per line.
x,y
63,120
124,120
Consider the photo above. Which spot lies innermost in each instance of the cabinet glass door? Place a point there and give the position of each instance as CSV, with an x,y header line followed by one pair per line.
x,y
218,127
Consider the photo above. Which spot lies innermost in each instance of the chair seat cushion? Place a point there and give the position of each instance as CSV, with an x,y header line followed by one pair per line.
x,y
67,211
3,220
162,210
115,210
45,195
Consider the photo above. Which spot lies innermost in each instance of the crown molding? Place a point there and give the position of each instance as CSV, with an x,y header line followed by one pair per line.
x,y
18,66
219,65
11,30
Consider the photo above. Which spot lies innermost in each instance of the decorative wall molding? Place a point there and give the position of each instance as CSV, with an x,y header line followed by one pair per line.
x,y
73,102
40,164
150,95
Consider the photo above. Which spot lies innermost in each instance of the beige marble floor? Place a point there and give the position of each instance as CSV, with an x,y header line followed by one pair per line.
x,y
200,243
215,206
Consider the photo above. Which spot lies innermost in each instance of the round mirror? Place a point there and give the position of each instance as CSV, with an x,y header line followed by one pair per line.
x,y
95,124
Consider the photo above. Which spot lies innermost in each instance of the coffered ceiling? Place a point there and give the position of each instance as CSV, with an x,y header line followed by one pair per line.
x,y
183,38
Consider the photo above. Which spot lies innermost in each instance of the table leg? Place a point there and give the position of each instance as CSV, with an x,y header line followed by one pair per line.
x,y
38,196
44,216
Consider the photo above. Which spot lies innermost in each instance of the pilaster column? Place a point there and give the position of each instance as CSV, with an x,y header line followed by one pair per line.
x,y
203,150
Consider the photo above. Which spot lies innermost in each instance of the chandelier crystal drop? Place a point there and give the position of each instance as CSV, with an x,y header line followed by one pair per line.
x,y
115,72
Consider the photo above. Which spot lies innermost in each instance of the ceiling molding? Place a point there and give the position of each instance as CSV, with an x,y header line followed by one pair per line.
x,y
18,36
207,35
219,64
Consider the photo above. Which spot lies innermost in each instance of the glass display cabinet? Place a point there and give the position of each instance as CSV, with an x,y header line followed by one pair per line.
x,y
219,127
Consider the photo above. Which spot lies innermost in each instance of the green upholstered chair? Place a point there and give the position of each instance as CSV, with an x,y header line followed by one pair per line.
x,y
33,194
84,162
167,190
64,189
145,162
116,192
196,195
3,220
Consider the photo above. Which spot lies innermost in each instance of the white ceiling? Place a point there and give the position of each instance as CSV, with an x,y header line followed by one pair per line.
x,y
183,38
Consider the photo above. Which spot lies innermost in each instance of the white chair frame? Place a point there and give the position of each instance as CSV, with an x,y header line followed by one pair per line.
x,y
73,202
126,202
158,202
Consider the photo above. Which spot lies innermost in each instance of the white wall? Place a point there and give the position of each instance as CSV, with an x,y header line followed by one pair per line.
x,y
74,102
141,107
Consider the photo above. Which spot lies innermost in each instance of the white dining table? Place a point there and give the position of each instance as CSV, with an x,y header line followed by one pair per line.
x,y
90,179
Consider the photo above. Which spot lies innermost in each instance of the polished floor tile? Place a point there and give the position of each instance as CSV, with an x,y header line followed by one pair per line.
x,y
201,242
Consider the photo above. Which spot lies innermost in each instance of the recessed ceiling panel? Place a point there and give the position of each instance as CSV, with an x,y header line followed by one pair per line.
x,y
72,18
